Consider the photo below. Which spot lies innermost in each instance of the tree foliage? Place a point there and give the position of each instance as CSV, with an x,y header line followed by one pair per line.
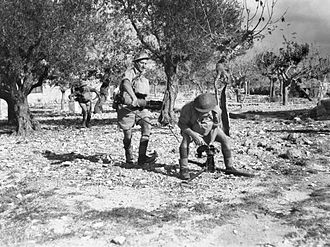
x,y
176,31
283,65
37,36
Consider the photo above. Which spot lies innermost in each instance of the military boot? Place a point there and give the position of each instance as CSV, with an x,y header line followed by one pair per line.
x,y
88,120
129,156
143,157
184,172
229,164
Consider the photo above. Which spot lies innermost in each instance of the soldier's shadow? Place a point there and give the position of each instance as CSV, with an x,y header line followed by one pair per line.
x,y
160,168
66,159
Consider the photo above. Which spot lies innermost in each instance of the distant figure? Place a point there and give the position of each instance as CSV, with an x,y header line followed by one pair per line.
x,y
222,70
104,92
82,93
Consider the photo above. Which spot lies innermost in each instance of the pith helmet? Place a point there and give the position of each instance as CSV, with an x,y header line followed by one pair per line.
x,y
205,102
141,56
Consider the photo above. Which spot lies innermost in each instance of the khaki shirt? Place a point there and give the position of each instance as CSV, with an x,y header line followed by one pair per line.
x,y
139,83
200,123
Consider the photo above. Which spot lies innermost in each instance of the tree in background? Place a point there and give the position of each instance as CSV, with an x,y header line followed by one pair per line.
x,y
266,62
176,31
283,65
37,36
241,73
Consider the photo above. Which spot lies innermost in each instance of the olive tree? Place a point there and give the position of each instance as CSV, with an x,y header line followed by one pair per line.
x,y
177,31
36,36
284,64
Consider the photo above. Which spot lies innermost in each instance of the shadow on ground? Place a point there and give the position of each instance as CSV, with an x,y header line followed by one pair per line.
x,y
76,122
60,159
63,159
304,131
286,115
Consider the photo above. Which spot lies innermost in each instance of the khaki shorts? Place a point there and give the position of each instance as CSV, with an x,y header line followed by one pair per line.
x,y
127,117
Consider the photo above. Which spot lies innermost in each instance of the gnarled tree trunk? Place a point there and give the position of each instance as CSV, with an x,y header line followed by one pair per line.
x,y
285,92
167,112
272,87
62,99
25,122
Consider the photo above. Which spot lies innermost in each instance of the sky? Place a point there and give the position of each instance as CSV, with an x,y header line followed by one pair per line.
x,y
306,21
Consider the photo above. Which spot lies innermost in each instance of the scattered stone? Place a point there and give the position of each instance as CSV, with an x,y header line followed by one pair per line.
x,y
297,120
293,137
294,153
307,141
160,170
120,240
66,163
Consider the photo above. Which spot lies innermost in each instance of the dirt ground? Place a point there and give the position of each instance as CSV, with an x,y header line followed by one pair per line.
x,y
67,186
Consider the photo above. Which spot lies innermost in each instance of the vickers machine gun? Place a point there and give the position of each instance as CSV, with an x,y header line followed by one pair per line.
x,y
209,164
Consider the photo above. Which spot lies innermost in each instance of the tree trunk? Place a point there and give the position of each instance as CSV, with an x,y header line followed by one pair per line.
x,y
25,122
272,88
224,111
222,102
281,88
167,112
62,100
285,93
12,120
154,89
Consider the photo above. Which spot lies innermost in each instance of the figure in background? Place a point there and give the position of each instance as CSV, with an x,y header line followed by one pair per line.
x,y
104,91
83,94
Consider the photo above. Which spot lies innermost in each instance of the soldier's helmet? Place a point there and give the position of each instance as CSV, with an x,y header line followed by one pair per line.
x,y
141,56
205,102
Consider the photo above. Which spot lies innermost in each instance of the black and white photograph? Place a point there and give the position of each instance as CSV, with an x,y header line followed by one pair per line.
x,y
165,123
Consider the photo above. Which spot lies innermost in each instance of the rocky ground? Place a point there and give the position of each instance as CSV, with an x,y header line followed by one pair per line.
x,y
67,186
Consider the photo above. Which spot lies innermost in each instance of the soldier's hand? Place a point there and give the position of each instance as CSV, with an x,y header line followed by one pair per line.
x,y
135,102
198,139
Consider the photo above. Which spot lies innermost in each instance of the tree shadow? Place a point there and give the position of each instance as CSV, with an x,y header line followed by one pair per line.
x,y
286,115
160,168
76,122
304,131
60,159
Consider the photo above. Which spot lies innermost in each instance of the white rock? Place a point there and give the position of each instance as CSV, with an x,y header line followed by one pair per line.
x,y
118,240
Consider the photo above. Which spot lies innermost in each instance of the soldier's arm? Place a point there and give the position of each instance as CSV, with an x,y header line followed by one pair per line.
x,y
184,121
127,86
95,91
72,95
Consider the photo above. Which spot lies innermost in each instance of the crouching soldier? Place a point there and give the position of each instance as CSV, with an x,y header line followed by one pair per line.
x,y
200,121
82,93
134,89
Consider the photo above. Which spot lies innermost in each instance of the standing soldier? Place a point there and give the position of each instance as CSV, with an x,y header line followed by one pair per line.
x,y
104,91
82,93
199,121
134,89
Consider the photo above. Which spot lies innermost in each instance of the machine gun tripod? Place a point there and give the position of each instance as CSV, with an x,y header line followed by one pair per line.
x,y
209,164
